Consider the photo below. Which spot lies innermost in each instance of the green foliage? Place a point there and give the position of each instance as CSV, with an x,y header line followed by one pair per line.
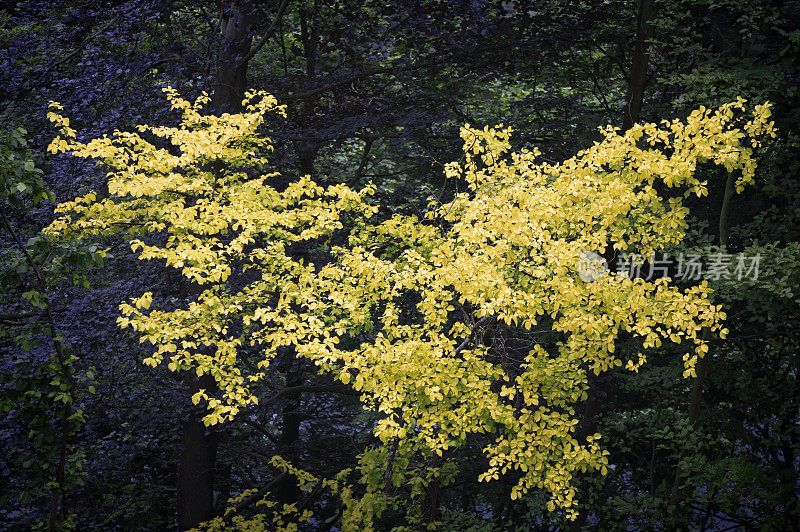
x,y
41,395
20,179
35,394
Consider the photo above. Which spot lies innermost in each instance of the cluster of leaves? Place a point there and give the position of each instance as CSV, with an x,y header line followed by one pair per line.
x,y
373,90
504,252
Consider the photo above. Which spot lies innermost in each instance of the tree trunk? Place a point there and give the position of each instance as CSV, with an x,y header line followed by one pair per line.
x,y
196,472
596,392
638,77
597,385
287,489
309,36
432,501
235,41
725,34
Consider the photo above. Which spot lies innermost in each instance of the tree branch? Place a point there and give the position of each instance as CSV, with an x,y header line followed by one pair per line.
x,y
267,34
464,344
13,318
355,77
296,390
387,477
262,431
56,496
247,501
362,165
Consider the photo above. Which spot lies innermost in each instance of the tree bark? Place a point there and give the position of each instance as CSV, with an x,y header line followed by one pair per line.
x,y
287,489
198,457
199,454
725,34
432,500
597,385
309,36
236,38
638,77
596,392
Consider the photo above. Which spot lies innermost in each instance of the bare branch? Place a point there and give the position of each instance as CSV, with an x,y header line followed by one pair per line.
x,y
464,344
355,77
56,495
267,34
296,390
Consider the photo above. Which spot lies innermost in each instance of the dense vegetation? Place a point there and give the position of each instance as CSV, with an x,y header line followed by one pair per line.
x,y
425,264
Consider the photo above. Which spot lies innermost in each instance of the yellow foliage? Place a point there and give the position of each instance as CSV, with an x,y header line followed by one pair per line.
x,y
504,252
216,219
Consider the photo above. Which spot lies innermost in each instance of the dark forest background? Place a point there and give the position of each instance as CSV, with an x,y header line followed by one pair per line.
x,y
376,92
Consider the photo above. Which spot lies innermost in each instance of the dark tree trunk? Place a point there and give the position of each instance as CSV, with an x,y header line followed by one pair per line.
x,y
287,489
596,392
432,501
11,6
725,33
291,416
236,38
598,385
196,472
638,77
306,155
309,36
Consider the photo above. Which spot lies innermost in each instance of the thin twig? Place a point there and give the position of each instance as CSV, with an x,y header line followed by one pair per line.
x,y
62,458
